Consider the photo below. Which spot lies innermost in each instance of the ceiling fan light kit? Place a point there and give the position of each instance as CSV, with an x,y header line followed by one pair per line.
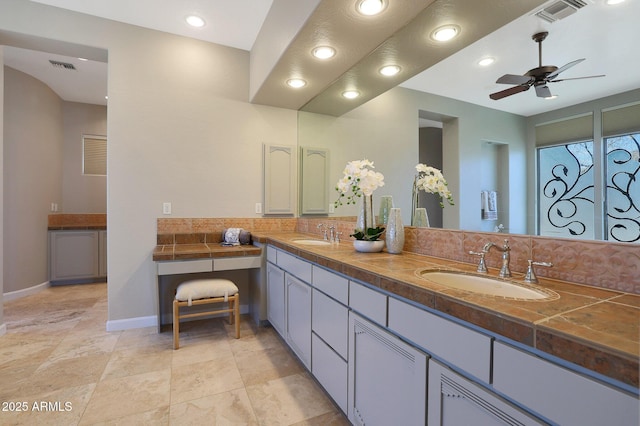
x,y
537,77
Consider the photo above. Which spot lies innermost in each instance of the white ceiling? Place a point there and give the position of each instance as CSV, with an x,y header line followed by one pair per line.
x,y
604,35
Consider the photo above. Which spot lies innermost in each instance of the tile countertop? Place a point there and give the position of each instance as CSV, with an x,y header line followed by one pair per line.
x,y
595,328
168,252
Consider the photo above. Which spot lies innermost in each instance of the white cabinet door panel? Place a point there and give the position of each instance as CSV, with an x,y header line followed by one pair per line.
x,y
455,401
387,378
560,394
276,298
298,322
73,255
460,346
330,321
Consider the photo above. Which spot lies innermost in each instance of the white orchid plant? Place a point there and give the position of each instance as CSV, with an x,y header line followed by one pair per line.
x,y
360,179
431,180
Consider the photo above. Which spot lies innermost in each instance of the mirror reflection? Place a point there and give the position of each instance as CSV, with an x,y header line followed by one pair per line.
x,y
485,151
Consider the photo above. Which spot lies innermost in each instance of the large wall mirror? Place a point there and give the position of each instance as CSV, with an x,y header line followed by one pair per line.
x,y
482,149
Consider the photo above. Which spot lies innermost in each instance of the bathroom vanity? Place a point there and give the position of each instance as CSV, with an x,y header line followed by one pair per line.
x,y
391,347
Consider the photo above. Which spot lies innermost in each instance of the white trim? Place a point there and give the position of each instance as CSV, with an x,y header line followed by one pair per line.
x,y
13,295
138,322
152,321
3,329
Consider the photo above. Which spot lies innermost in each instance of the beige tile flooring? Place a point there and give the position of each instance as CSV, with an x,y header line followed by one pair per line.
x,y
61,367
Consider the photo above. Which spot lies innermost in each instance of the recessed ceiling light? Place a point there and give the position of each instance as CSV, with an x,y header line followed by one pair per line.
x,y
445,33
195,21
614,2
83,59
296,83
389,70
371,7
550,98
350,94
485,62
324,52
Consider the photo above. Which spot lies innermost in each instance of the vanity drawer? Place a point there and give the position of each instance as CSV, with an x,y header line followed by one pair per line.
x,y
330,321
557,393
185,266
368,302
294,266
458,345
232,263
330,370
272,255
331,284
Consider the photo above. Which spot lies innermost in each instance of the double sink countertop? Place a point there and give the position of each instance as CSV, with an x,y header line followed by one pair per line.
x,y
598,329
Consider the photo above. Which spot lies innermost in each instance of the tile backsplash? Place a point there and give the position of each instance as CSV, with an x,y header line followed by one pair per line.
x,y
603,264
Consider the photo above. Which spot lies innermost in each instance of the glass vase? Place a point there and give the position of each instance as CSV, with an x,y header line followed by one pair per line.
x,y
386,204
366,219
395,232
420,218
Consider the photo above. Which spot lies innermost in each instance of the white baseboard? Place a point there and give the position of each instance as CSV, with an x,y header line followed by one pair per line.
x,y
129,323
13,295
152,321
3,329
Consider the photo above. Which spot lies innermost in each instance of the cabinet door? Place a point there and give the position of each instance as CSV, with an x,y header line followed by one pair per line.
x,y
314,180
73,255
454,401
275,298
387,378
279,179
298,322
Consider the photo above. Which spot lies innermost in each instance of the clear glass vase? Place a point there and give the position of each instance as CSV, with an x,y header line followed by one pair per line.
x,y
366,218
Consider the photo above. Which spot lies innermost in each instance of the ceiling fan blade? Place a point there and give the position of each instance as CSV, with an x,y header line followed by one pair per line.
x,y
563,68
508,92
576,78
513,79
542,91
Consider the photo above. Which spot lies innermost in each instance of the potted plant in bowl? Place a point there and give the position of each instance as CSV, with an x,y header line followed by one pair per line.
x,y
358,182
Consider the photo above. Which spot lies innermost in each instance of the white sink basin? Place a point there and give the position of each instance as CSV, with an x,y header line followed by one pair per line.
x,y
487,285
312,242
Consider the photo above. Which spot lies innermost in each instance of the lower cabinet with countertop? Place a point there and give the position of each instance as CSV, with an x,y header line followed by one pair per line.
x,y
376,354
77,256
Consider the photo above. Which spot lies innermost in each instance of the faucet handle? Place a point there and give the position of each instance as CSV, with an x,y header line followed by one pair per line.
x,y
530,276
338,233
482,267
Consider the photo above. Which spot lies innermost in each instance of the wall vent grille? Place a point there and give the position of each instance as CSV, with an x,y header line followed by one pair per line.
x,y
65,65
560,9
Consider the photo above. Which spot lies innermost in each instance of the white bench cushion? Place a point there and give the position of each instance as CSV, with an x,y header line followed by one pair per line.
x,y
204,289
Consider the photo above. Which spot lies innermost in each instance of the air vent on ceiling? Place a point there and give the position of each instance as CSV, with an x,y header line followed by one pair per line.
x,y
560,9
65,65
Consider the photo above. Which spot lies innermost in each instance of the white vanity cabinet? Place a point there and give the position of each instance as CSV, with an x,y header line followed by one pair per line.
x,y
298,317
387,377
559,394
276,298
76,255
455,400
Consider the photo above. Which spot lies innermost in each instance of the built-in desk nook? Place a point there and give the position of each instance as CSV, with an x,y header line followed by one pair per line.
x,y
177,262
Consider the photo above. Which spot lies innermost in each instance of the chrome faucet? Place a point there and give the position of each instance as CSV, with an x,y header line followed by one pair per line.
x,y
323,228
332,233
505,272
530,276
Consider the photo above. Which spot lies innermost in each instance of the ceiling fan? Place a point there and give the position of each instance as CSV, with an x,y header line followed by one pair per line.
x,y
536,77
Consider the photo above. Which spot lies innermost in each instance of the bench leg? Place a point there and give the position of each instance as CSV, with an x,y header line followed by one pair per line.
x,y
176,325
236,311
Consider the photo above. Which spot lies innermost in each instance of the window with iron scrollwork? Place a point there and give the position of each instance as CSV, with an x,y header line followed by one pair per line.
x,y
568,190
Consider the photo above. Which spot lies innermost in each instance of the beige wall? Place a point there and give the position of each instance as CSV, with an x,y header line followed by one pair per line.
x,y
180,129
3,327
32,176
80,193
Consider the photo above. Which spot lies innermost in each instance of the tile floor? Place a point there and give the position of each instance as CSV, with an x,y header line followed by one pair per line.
x,y
61,367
